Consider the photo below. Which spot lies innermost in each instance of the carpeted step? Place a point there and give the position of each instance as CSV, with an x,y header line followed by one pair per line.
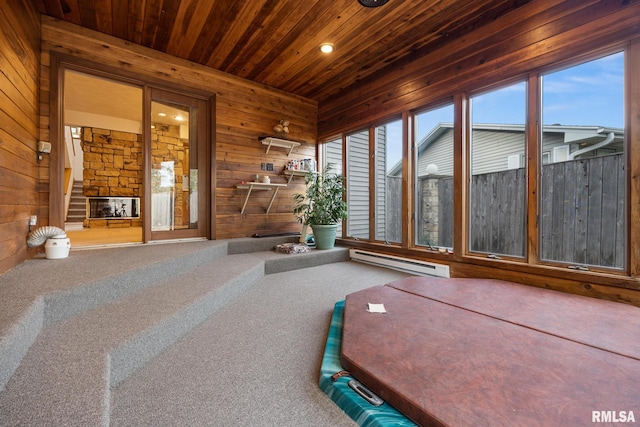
x,y
278,263
254,363
66,376
39,291
77,211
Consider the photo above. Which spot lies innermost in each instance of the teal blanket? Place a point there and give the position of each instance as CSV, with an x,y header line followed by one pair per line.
x,y
361,411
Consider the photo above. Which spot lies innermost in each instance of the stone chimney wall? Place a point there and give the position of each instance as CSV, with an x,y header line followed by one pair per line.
x,y
428,224
113,163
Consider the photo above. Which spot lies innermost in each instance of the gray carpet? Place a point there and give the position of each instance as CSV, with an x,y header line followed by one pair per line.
x,y
172,335
254,363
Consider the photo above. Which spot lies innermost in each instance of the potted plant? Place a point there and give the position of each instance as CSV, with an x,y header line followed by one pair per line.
x,y
322,206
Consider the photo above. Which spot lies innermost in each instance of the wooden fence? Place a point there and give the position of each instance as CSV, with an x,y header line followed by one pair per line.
x,y
393,217
497,212
582,211
434,213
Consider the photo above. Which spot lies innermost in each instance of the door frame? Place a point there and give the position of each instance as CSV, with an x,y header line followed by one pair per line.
x,y
62,62
198,135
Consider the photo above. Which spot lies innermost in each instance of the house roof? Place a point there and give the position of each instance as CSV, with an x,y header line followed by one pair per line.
x,y
276,42
572,134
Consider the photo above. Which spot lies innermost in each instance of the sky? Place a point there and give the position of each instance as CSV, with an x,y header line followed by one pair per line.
x,y
591,93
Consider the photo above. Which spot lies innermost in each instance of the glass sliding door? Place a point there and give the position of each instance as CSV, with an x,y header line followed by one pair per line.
x,y
103,161
176,175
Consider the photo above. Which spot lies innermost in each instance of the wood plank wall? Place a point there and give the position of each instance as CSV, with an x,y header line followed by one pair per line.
x,y
540,34
19,67
244,112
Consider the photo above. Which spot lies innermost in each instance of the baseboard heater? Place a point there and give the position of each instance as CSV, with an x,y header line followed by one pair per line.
x,y
408,265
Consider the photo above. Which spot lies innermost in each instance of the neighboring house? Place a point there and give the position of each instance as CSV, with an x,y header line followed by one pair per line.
x,y
499,147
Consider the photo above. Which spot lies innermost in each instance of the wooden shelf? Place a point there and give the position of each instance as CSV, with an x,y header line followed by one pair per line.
x,y
259,186
292,173
282,143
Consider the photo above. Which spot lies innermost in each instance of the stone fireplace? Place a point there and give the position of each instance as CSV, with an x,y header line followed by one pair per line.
x,y
113,168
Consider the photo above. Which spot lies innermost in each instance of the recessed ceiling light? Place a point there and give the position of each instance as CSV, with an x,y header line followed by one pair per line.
x,y
162,114
326,48
372,3
179,118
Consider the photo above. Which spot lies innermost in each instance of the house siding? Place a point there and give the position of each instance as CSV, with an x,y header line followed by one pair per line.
x,y
358,185
381,182
332,153
490,150
439,153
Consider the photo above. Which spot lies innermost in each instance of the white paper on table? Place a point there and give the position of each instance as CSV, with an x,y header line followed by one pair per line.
x,y
376,308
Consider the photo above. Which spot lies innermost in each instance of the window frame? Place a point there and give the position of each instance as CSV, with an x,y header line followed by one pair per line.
x,y
469,175
533,161
625,49
374,181
348,155
413,175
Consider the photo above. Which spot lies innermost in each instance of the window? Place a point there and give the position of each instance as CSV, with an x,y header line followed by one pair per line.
x,y
497,188
433,184
545,157
331,153
577,147
358,185
582,205
388,182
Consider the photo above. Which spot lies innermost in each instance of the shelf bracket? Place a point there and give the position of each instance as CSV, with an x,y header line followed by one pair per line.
x,y
282,143
259,186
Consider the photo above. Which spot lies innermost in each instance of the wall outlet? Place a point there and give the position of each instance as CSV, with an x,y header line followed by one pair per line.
x,y
33,220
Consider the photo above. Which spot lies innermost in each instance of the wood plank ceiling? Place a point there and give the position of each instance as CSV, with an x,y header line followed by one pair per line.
x,y
276,42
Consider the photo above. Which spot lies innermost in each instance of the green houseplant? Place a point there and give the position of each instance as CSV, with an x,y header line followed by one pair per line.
x,y
322,206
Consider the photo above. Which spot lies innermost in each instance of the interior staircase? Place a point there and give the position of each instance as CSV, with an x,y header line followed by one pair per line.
x,y
77,205
71,330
